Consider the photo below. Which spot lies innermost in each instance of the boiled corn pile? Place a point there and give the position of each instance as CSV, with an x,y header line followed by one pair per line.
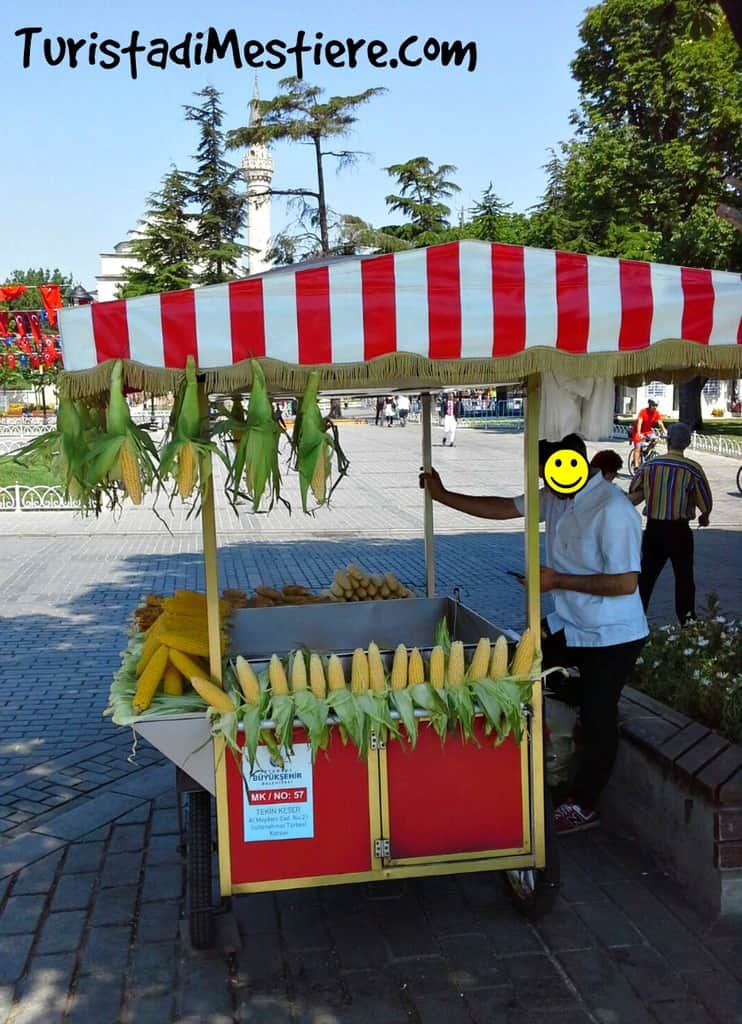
x,y
353,584
176,647
391,694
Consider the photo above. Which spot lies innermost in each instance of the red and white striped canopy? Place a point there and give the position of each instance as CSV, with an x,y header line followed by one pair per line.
x,y
458,301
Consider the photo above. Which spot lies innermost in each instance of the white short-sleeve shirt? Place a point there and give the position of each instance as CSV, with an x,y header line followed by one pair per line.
x,y
597,531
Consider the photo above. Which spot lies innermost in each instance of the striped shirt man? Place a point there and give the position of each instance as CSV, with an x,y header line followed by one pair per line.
x,y
673,488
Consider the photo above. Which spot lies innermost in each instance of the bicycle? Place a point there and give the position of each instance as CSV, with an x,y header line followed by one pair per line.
x,y
739,479
647,448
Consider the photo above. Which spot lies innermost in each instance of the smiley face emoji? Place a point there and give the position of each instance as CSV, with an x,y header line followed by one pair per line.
x,y
566,471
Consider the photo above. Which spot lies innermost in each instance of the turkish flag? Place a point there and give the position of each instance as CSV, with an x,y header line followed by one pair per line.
x,y
35,324
51,296
4,317
8,292
21,324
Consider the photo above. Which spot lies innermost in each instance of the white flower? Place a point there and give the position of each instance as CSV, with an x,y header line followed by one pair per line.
x,y
722,675
720,618
640,661
697,674
687,651
702,642
656,663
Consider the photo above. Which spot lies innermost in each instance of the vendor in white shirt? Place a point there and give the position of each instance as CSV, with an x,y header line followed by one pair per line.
x,y
598,625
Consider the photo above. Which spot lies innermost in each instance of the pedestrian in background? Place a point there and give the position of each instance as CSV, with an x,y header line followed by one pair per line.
x,y
673,487
608,462
389,411
403,409
449,421
380,403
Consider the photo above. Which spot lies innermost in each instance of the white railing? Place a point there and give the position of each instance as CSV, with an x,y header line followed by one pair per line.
x,y
717,445
19,498
18,425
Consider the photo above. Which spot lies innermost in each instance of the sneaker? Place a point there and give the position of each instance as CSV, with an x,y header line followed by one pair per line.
x,y
570,817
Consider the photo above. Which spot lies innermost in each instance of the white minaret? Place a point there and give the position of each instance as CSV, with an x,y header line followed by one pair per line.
x,y
257,165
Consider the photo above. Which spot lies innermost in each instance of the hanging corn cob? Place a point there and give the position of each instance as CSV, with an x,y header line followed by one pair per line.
x,y
499,662
187,440
314,440
125,454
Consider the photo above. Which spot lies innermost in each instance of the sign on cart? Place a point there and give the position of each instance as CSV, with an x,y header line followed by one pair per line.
x,y
279,802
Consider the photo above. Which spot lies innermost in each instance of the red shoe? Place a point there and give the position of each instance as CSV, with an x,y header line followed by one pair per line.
x,y
570,817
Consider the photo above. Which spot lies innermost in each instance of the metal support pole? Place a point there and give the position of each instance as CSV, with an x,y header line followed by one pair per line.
x,y
208,528
427,500
533,598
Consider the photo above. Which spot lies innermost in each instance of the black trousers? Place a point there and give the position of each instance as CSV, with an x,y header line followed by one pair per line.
x,y
603,672
673,539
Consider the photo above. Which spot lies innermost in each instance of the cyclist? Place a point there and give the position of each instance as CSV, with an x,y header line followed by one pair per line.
x,y
646,422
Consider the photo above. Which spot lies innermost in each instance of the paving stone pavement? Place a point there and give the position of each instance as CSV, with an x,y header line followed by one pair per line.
x,y
91,880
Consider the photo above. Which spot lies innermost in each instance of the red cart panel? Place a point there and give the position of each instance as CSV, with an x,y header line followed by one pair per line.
x,y
341,842
455,798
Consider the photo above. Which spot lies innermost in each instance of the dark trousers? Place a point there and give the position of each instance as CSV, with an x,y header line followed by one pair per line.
x,y
603,672
673,539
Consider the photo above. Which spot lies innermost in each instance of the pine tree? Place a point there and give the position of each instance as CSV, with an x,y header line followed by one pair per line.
x,y
214,189
166,247
422,191
296,114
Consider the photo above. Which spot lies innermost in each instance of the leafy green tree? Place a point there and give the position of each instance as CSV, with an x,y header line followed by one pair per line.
x,y
297,114
166,247
213,186
491,221
422,191
658,129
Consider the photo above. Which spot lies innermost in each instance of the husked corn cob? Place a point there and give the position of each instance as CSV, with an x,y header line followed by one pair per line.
x,y
298,672
186,470
172,681
359,673
524,654
248,680
456,664
376,672
187,643
437,668
317,682
399,668
481,660
499,662
130,473
335,674
186,665
277,676
150,646
212,694
415,668
150,679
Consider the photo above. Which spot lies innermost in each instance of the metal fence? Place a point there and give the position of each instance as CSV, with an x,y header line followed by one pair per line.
x,y
19,498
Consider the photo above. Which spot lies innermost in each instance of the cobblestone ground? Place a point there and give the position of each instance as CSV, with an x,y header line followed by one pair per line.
x,y
91,880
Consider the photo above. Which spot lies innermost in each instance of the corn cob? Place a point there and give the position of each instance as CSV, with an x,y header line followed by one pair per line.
x,y
150,679
256,455
335,674
359,673
188,644
150,646
314,439
130,473
317,682
376,671
172,681
186,470
481,660
399,668
277,676
248,680
524,654
437,668
456,664
186,665
416,668
499,662
212,694
298,673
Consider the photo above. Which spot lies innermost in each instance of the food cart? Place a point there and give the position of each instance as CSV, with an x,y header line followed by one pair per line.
x,y
458,314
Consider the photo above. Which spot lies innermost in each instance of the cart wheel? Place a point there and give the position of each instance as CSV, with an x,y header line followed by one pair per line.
x,y
739,479
200,910
534,890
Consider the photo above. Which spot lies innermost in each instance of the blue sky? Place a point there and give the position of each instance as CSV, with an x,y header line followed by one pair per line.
x,y
84,146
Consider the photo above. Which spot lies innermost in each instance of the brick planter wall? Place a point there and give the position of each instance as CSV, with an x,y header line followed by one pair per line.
x,y
678,786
